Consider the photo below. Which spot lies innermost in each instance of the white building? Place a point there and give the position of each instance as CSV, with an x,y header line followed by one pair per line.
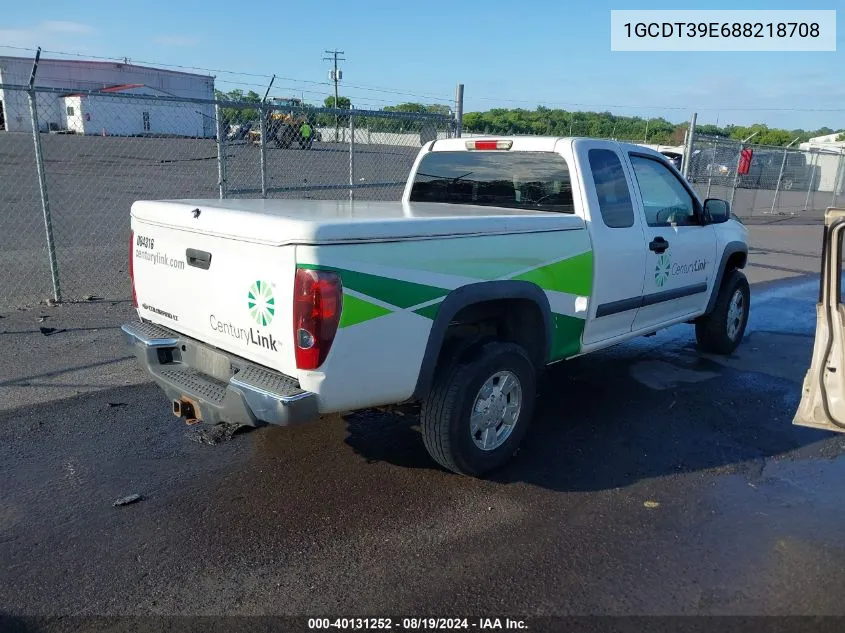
x,y
827,139
828,158
70,75
113,112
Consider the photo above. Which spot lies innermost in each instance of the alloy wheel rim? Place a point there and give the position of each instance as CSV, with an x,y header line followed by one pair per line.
x,y
495,411
736,312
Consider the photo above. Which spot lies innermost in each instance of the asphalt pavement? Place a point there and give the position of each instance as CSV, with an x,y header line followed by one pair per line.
x,y
654,481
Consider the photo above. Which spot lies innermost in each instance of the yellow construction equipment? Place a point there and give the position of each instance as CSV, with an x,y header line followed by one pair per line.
x,y
285,125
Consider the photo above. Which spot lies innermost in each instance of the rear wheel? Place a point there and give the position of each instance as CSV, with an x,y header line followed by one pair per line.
x,y
721,331
479,408
285,137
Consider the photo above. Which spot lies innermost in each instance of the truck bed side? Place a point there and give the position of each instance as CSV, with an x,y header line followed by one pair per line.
x,y
393,293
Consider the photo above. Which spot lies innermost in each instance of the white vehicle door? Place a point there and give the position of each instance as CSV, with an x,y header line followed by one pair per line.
x,y
616,229
823,394
680,250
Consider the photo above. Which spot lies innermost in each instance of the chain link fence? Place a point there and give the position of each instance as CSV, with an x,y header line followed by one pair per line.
x,y
65,192
767,182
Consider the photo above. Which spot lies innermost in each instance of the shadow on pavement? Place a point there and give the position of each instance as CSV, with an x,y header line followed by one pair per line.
x,y
596,427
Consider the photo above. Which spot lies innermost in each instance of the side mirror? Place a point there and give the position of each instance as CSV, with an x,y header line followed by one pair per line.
x,y
716,211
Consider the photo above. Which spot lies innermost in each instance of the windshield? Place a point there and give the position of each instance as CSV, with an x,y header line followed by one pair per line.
x,y
518,180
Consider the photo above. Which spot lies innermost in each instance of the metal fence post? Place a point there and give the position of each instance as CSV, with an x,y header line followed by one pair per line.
x,y
736,174
813,165
221,153
688,150
710,171
780,175
351,156
45,200
263,123
777,184
837,180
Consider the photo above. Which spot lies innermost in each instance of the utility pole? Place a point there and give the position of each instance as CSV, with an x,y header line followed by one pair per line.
x,y
459,110
335,75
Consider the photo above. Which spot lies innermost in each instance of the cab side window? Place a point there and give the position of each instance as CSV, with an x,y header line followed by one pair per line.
x,y
615,205
665,200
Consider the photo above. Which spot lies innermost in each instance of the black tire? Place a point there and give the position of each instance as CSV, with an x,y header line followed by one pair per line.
x,y
446,412
285,137
712,331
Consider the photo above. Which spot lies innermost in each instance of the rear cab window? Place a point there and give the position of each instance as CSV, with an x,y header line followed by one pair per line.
x,y
536,181
614,196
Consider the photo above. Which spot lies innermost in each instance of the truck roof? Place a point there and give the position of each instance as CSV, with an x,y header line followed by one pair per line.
x,y
534,143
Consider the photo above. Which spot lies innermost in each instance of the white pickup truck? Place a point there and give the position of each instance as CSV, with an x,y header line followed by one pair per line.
x,y
505,255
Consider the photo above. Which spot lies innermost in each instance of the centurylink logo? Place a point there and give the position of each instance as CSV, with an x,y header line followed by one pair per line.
x,y
661,270
261,304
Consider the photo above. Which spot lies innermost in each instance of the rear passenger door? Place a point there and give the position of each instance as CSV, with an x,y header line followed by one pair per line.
x,y
680,251
616,230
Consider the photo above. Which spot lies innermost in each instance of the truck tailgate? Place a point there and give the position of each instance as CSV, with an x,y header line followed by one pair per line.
x,y
232,294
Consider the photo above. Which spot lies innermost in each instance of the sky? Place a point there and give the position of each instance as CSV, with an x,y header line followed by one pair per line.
x,y
554,53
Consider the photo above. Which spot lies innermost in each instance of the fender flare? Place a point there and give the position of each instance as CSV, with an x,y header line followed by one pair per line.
x,y
731,248
469,295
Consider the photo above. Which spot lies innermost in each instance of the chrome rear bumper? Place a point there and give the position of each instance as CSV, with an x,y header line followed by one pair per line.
x,y
211,385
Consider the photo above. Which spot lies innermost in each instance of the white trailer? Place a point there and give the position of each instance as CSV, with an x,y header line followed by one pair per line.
x,y
113,112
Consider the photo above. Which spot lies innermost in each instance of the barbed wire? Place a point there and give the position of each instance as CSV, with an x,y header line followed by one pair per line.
x,y
129,60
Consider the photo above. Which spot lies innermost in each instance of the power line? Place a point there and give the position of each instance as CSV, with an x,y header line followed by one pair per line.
x,y
229,72
354,98
129,60
716,108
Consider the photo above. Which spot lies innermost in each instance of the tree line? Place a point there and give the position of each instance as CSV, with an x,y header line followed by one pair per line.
x,y
541,120
631,128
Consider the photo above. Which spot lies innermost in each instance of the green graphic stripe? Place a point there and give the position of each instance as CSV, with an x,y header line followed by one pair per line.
x,y
485,257
566,336
403,294
396,292
429,312
357,311
573,275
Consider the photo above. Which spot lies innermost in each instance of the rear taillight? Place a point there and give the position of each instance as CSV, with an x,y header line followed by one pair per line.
x,y
489,144
132,267
317,303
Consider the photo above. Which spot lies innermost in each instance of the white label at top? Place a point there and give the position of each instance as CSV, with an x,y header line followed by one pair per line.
x,y
723,30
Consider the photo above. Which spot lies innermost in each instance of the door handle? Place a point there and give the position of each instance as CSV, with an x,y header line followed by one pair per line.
x,y
198,259
658,245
